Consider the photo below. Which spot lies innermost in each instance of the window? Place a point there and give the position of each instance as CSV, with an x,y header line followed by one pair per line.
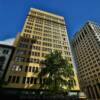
x,y
16,68
5,51
32,79
17,79
38,42
35,80
26,68
47,49
47,39
36,60
24,79
21,52
40,80
9,79
57,46
36,69
22,45
47,44
28,80
36,47
13,79
27,30
85,32
33,69
36,37
25,40
35,54
19,59
82,34
30,69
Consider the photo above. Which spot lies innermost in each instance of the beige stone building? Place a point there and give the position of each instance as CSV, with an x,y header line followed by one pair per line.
x,y
50,33
86,44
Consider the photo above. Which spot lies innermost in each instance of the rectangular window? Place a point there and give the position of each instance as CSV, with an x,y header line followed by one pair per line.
x,y
36,70
33,69
13,79
40,81
5,51
17,80
35,80
32,79
9,79
24,79
26,69
28,80
30,69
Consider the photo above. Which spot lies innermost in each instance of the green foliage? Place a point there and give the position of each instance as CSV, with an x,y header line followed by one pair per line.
x,y
57,73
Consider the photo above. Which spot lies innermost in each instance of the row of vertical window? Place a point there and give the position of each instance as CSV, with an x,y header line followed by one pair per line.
x,y
33,53
36,37
80,37
23,45
47,35
32,80
46,22
25,40
35,47
23,59
29,23
5,51
20,68
57,46
46,49
26,35
54,41
37,33
47,17
37,29
54,28
28,80
47,39
25,52
38,42
28,30
28,27
47,44
67,53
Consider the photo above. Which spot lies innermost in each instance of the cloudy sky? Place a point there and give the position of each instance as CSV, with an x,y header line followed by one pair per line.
x,y
76,13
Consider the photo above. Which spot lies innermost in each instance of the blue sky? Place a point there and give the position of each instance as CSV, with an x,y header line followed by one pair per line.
x,y
76,13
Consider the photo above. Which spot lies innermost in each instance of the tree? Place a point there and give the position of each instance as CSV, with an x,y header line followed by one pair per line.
x,y
57,73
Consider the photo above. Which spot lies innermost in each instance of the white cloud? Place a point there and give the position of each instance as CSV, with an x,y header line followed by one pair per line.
x,y
8,41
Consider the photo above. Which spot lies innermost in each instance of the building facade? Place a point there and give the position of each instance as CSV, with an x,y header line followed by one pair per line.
x,y
50,33
86,44
6,53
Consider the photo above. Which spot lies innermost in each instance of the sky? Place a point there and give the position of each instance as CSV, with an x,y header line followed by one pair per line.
x,y
76,13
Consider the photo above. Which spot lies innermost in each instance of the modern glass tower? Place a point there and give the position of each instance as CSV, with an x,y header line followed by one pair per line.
x,y
86,44
50,33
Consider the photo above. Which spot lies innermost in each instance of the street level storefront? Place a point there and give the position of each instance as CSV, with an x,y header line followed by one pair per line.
x,y
40,94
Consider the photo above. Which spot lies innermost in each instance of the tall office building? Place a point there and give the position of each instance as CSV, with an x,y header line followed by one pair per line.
x,y
50,33
86,44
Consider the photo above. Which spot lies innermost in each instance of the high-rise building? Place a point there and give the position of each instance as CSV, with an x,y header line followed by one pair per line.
x,y
86,45
50,33
6,53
